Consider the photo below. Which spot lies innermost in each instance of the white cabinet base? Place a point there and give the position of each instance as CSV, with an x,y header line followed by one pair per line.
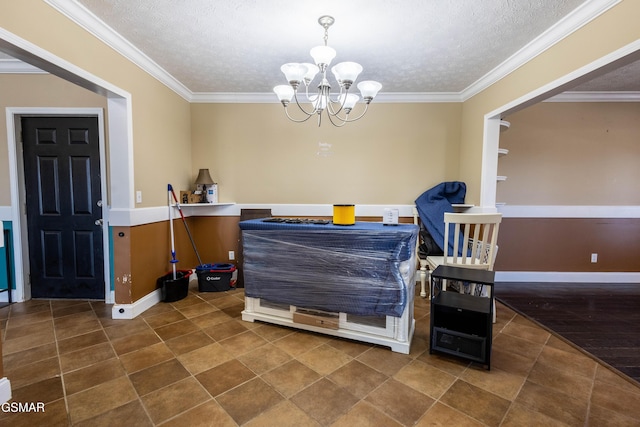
x,y
388,331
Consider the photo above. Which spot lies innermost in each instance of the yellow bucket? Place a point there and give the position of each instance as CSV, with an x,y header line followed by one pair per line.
x,y
344,214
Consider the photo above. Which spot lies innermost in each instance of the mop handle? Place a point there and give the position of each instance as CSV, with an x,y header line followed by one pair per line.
x,y
185,224
173,250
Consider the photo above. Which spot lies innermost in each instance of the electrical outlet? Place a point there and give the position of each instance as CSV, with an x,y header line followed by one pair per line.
x,y
138,196
232,255
594,258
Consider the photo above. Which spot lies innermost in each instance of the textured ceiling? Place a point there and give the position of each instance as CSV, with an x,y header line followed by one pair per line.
x,y
622,79
449,48
407,45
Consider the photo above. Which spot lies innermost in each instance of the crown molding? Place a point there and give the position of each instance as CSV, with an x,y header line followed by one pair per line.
x,y
270,98
584,14
406,97
596,97
233,98
566,26
87,20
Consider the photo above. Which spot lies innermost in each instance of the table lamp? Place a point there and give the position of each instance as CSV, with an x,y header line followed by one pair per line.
x,y
204,179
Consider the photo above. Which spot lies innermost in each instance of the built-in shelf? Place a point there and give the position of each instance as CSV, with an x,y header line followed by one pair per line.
x,y
504,125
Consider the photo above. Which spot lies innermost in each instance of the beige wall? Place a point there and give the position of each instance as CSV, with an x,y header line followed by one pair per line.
x,y
389,157
161,126
160,119
257,156
162,129
572,154
36,90
612,30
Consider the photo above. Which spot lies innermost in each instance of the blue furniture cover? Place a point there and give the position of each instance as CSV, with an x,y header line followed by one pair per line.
x,y
352,269
432,205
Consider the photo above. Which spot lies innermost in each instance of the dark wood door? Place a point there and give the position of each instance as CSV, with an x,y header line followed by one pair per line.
x,y
63,202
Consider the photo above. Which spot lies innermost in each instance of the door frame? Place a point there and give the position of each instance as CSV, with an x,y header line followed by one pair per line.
x,y
16,178
121,198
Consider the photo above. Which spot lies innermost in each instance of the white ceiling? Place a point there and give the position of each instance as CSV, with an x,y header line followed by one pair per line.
x,y
445,47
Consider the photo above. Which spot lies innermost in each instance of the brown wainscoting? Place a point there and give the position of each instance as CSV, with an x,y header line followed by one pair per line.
x,y
143,253
566,244
215,236
151,254
121,264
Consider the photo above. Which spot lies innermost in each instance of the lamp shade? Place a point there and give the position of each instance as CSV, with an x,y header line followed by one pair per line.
x,y
204,177
369,89
312,70
294,72
323,55
349,100
347,71
284,92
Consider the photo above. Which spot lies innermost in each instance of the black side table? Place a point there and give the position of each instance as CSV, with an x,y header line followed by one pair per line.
x,y
462,323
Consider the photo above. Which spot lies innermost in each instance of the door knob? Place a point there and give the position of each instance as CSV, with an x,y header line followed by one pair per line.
x,y
98,222
99,203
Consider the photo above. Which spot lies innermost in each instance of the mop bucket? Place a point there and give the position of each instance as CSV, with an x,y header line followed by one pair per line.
x,y
174,290
216,277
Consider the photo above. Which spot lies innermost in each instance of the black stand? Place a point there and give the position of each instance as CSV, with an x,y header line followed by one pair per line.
x,y
462,323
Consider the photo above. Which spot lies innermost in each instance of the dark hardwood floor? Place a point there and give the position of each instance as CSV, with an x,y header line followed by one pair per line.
x,y
602,319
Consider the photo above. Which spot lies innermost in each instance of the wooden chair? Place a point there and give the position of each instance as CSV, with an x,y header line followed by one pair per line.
x,y
475,244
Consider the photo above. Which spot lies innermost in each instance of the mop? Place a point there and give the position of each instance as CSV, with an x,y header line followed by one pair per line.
x,y
174,285
184,221
173,261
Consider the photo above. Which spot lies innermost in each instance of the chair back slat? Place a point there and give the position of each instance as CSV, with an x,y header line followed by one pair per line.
x,y
476,237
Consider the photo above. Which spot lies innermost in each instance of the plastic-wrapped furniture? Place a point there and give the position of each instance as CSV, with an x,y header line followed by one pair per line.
x,y
354,281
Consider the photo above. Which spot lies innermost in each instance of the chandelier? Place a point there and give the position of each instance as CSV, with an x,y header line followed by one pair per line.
x,y
338,107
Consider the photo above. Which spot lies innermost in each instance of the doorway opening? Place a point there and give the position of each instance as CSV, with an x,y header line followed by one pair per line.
x,y
116,181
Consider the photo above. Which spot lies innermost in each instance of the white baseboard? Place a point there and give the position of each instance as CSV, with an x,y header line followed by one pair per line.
x,y
130,311
567,277
5,390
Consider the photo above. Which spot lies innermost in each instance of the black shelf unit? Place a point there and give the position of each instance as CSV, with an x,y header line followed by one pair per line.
x,y
461,323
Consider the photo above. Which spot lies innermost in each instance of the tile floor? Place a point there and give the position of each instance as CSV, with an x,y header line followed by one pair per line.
x,y
195,362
